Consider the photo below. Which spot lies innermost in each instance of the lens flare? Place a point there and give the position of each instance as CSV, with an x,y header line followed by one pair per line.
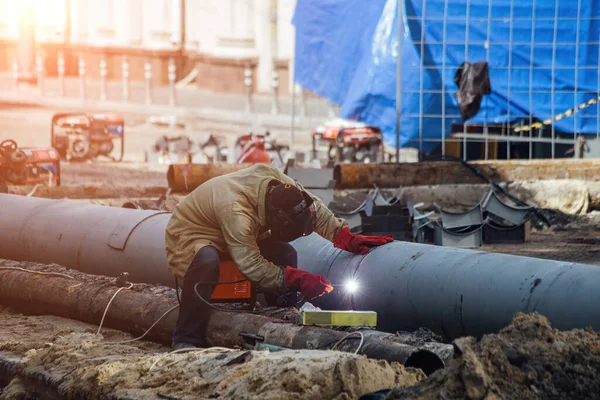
x,y
351,286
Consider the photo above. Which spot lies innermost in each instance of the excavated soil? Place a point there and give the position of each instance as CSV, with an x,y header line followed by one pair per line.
x,y
526,360
96,367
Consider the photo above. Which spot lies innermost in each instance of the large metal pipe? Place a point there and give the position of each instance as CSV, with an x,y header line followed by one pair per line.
x,y
454,292
90,238
107,241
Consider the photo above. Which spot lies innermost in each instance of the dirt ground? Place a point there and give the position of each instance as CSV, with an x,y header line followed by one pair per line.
x,y
572,238
97,367
526,360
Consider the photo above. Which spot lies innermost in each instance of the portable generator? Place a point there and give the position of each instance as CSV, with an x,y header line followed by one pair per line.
x,y
80,137
242,291
28,165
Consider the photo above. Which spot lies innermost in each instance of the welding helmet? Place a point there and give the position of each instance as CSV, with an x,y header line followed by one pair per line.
x,y
290,212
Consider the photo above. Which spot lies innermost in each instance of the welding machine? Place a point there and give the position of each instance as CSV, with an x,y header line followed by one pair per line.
x,y
233,286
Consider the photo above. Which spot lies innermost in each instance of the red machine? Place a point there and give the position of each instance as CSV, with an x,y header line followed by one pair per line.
x,y
253,149
28,165
352,143
80,137
242,291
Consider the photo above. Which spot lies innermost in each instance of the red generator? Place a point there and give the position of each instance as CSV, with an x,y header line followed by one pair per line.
x,y
347,142
28,165
81,137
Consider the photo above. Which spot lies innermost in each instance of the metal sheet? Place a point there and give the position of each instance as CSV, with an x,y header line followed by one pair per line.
x,y
354,221
451,220
311,178
325,195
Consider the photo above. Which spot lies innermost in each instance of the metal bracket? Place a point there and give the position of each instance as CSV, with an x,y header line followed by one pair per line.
x,y
453,220
471,237
514,214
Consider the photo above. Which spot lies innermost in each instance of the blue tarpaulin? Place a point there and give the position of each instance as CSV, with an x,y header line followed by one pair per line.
x,y
543,58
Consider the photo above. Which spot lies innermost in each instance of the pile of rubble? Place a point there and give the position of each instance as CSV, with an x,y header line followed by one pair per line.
x,y
526,360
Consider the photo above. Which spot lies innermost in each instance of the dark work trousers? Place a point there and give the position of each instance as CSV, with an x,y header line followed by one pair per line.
x,y
193,312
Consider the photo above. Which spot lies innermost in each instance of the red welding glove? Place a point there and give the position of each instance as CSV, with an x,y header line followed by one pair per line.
x,y
358,244
309,285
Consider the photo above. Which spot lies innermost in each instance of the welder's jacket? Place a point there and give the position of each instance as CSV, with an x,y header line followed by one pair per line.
x,y
229,213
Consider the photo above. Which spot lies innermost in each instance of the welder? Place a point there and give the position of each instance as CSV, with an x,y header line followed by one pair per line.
x,y
250,216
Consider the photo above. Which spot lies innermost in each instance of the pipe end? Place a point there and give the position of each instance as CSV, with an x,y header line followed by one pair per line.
x,y
425,360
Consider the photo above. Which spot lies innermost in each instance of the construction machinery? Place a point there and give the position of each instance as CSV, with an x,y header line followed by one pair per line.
x,y
348,141
81,137
28,165
261,149
170,150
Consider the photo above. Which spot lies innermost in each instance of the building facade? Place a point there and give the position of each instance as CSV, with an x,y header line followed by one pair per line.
x,y
221,42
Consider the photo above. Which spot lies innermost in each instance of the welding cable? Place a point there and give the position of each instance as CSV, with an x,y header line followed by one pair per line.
x,y
147,330
188,350
214,283
362,340
108,306
37,272
208,303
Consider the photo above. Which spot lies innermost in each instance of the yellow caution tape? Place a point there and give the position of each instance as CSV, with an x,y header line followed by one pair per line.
x,y
566,114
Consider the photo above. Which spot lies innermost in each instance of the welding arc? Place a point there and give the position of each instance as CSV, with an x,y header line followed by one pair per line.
x,y
558,117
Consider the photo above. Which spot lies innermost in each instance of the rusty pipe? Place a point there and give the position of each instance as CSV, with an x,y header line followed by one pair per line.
x,y
183,178
394,175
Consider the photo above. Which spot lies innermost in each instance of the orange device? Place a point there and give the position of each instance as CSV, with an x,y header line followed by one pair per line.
x,y
240,292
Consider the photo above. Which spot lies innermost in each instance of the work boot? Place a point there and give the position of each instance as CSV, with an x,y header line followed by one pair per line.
x,y
182,345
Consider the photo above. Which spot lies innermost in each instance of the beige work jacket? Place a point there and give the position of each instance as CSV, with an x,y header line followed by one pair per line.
x,y
228,213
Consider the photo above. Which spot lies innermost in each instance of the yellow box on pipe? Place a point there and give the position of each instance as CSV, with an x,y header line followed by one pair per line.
x,y
338,318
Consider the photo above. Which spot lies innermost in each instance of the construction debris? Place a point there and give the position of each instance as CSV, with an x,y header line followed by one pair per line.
x,y
526,360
